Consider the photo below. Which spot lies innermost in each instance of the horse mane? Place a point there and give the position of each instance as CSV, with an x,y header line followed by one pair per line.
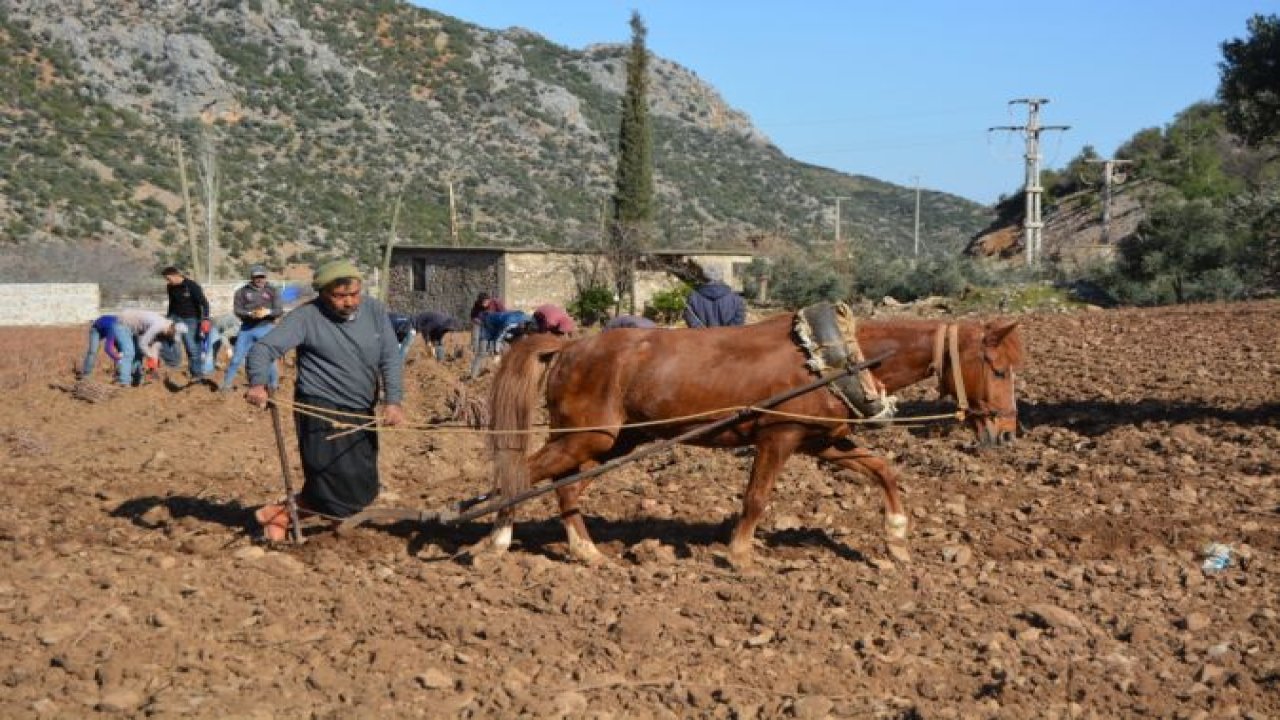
x,y
512,400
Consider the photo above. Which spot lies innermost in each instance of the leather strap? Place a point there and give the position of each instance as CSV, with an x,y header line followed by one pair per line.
x,y
953,343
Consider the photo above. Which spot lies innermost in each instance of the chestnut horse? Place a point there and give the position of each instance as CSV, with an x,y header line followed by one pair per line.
x,y
622,377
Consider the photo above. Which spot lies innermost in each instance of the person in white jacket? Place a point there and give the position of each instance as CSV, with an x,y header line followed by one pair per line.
x,y
148,330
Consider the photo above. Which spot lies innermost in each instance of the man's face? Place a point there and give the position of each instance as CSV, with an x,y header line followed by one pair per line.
x,y
343,299
173,279
259,281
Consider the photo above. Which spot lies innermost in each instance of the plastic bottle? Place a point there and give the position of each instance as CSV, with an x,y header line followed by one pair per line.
x,y
1217,557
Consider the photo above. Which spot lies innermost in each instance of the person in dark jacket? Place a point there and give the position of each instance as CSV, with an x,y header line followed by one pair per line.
x,y
714,304
402,326
478,308
630,321
258,305
347,361
189,306
433,326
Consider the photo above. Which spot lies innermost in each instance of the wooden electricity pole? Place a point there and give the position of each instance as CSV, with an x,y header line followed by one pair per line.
x,y
1032,223
453,216
192,242
1108,175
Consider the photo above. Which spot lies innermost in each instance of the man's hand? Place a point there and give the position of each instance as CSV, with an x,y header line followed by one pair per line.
x,y
256,395
261,313
392,415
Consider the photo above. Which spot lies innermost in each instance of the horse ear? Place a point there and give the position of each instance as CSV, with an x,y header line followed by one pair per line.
x,y
998,330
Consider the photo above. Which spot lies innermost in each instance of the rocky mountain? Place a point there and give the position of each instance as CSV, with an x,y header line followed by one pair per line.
x,y
309,128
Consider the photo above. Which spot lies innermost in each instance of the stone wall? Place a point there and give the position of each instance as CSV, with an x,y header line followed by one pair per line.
x,y
49,303
448,280
535,278
221,296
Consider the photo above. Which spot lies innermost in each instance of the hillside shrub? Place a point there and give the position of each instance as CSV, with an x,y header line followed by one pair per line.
x,y
801,281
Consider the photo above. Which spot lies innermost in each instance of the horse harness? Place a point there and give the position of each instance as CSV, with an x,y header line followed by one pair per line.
x,y
946,347
827,334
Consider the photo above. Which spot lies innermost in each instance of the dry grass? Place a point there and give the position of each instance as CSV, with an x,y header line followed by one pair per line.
x,y
40,355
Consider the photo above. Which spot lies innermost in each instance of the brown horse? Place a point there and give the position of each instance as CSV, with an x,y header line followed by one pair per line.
x,y
608,381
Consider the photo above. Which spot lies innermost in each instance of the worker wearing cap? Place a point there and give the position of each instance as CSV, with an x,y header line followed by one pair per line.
x,y
258,306
551,318
347,359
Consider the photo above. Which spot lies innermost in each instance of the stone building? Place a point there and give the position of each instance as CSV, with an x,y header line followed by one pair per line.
x,y
447,279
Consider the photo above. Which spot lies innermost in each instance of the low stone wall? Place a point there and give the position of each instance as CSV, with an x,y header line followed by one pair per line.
x,y
49,303
221,297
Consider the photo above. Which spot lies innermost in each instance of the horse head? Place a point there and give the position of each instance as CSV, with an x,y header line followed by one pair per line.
x,y
988,369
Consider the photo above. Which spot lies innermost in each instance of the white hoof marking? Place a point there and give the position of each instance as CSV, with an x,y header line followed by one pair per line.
x,y
502,538
896,525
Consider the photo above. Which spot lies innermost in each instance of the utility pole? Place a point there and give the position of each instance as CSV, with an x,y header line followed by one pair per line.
x,y
1032,224
916,233
837,248
1108,177
192,241
453,216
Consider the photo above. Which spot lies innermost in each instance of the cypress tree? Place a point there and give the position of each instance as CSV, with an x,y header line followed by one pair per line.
x,y
633,194
633,197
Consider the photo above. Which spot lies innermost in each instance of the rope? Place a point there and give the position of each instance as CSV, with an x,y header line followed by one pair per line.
x,y
371,421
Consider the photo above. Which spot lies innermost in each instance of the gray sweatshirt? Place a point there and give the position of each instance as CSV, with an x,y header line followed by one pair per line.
x,y
337,360
146,327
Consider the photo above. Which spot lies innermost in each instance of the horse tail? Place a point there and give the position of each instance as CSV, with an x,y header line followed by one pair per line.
x,y
511,406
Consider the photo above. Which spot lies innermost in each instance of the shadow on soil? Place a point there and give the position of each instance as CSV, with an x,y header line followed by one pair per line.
x,y
1095,417
228,514
1091,417
547,537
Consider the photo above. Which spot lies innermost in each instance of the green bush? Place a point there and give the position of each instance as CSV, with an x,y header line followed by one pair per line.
x,y
591,305
668,305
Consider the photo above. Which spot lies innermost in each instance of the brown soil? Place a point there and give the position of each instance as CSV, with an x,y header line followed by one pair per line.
x,y
1058,578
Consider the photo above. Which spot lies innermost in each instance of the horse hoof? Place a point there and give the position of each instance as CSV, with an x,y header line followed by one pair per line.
x,y
588,555
741,561
485,549
899,552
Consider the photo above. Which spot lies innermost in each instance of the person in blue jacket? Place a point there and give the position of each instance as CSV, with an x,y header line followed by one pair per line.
x,y
116,339
714,304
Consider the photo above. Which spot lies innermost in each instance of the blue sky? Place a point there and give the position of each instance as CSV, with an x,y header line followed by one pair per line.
x,y
907,89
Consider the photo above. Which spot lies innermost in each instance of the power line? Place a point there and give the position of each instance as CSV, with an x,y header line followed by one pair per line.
x,y
1032,223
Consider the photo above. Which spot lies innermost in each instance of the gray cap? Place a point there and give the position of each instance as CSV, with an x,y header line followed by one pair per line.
x,y
257,271
713,273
